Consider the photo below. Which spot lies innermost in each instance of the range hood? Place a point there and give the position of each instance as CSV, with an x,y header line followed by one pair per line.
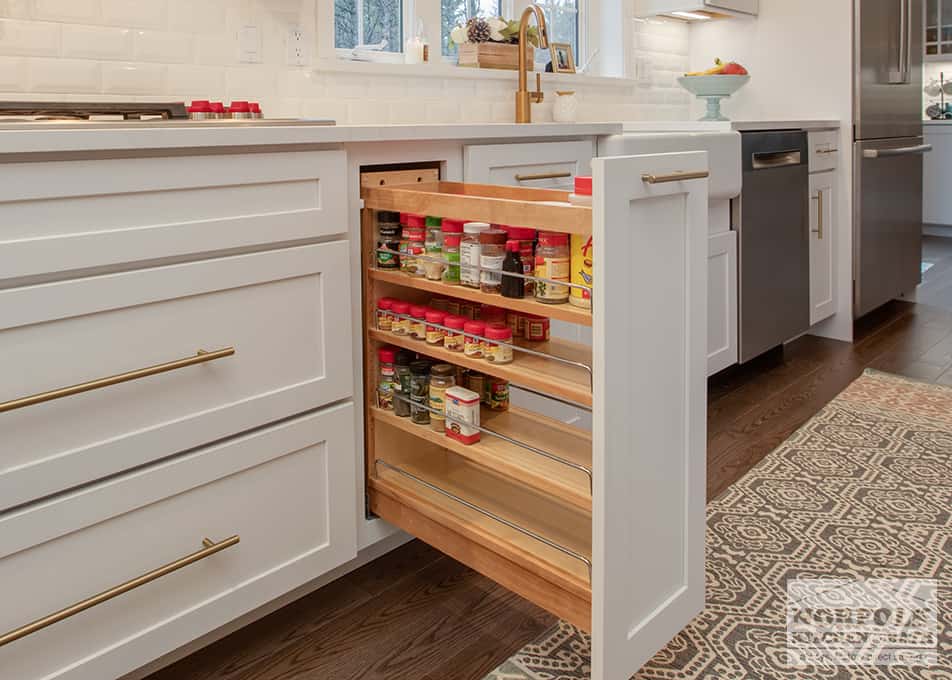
x,y
697,10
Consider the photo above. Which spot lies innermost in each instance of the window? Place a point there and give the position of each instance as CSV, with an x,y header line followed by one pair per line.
x,y
562,18
456,12
368,23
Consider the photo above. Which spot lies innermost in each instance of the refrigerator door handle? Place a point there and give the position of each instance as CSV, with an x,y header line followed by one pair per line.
x,y
905,39
902,151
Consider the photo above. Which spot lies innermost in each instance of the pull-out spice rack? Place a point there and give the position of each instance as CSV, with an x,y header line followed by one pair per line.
x,y
517,504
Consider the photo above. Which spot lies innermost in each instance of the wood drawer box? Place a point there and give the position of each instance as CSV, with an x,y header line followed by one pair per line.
x,y
278,309
60,216
824,150
287,491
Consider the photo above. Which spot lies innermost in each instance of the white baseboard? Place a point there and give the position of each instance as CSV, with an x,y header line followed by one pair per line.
x,y
363,557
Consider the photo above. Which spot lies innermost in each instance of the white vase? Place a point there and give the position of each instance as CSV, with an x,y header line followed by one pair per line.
x,y
565,109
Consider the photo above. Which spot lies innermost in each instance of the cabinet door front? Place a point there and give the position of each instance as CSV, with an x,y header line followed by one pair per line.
x,y
649,435
822,301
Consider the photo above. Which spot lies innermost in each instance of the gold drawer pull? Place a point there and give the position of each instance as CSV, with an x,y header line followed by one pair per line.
x,y
30,628
675,177
200,357
543,175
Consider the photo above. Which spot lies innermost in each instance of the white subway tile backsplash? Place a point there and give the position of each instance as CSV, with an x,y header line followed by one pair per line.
x,y
64,75
133,78
13,74
163,46
75,11
34,38
97,42
136,13
188,49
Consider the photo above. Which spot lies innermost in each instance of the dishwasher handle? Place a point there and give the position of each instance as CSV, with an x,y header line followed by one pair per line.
x,y
766,160
902,151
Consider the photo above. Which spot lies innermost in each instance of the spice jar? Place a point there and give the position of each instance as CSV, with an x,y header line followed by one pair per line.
x,y
387,377
442,377
453,339
400,325
462,415
536,328
477,383
451,256
473,344
582,253
552,262
492,251
526,239
497,348
469,253
433,265
517,322
401,386
498,390
490,314
413,243
513,286
384,317
388,239
419,392
468,309
434,334
418,322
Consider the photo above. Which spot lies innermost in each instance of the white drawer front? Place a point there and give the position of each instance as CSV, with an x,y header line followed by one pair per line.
x,y
546,164
60,216
281,310
286,491
824,150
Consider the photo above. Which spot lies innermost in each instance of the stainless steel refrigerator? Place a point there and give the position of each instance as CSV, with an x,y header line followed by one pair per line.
x,y
887,150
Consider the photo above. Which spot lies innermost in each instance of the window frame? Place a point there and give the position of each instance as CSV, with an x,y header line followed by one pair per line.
x,y
430,12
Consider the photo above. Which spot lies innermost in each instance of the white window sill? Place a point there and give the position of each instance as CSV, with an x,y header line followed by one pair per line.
x,y
443,69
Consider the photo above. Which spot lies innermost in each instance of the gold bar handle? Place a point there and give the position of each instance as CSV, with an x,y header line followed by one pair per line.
x,y
200,357
678,176
819,215
208,550
543,175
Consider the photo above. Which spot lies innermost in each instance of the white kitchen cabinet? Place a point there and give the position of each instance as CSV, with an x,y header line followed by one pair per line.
x,y
938,36
822,247
543,164
936,170
64,215
605,529
824,150
647,8
285,491
276,309
721,301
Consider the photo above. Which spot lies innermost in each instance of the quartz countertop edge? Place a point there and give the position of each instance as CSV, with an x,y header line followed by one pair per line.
x,y
714,126
59,138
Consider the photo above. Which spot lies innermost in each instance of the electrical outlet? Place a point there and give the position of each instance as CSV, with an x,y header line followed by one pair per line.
x,y
249,45
297,47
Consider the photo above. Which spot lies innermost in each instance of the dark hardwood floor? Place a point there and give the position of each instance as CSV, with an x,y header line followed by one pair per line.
x,y
415,614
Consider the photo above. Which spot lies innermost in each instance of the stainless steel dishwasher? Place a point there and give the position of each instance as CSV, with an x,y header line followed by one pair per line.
x,y
772,221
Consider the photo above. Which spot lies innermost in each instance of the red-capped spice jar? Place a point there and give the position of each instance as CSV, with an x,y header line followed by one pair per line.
x,y
255,109
552,262
400,324
536,328
418,322
218,110
473,343
384,314
239,110
435,335
454,338
201,109
387,380
490,314
497,348
526,238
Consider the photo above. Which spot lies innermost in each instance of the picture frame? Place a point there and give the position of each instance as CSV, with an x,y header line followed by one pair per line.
x,y
563,61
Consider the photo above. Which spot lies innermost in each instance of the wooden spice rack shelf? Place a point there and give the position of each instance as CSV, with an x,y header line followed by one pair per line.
x,y
562,312
537,373
512,206
500,457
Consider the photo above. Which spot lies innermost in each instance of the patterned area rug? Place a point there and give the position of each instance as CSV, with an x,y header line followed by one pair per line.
x,y
862,491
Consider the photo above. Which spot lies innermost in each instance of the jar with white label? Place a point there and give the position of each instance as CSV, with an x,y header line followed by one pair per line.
x,y
492,252
469,253
552,262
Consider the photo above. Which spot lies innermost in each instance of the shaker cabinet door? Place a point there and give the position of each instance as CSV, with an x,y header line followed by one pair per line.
x,y
649,420
822,233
